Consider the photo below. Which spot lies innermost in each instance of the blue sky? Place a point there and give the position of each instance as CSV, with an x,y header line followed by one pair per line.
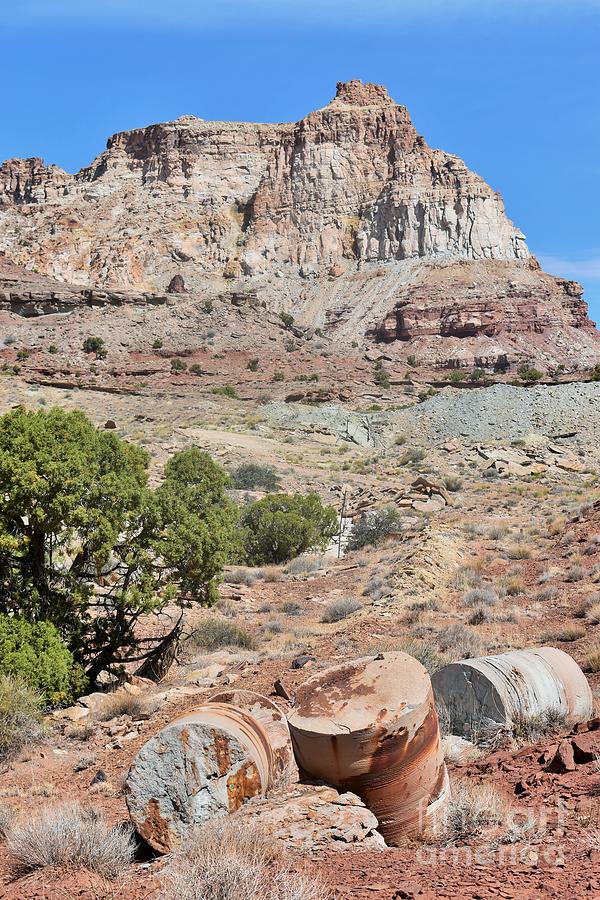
x,y
512,86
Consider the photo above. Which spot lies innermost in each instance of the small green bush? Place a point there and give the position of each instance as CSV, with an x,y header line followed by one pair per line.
x,y
477,375
374,527
253,364
52,349
382,378
95,345
255,477
196,369
281,526
287,319
278,375
178,365
227,390
529,375
157,345
36,653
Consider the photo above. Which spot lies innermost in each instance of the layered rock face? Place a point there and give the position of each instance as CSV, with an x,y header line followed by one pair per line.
x,y
350,183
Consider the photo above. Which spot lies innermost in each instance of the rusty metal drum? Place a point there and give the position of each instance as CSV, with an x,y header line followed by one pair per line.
x,y
490,691
370,726
205,764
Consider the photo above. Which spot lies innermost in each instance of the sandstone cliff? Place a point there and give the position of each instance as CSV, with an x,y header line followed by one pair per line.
x,y
352,182
347,219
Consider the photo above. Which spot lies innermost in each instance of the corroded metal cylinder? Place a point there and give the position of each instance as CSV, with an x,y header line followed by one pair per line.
x,y
205,764
478,694
370,726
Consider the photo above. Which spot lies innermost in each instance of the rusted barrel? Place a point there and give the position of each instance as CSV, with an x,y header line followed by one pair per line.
x,y
205,764
370,727
479,694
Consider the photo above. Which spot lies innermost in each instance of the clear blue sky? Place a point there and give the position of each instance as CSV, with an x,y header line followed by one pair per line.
x,y
512,86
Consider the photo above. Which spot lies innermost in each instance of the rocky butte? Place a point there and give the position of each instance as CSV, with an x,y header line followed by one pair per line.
x,y
346,217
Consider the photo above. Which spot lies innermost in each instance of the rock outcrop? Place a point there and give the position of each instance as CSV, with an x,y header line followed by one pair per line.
x,y
346,218
352,182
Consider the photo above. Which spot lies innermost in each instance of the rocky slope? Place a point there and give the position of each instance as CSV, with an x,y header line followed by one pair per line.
x,y
347,218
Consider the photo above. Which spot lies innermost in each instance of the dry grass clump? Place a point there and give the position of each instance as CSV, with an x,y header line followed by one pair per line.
x,y
69,836
566,634
121,704
465,578
519,551
340,609
214,634
592,659
473,810
230,860
305,565
460,642
481,597
549,593
511,585
575,573
20,716
7,817
480,615
593,614
426,652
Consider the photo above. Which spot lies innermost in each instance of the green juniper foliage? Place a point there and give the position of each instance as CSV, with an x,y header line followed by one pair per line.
x,y
281,526
87,545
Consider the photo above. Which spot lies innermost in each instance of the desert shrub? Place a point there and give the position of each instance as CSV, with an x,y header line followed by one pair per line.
x,y
122,703
477,375
382,378
592,614
20,716
35,652
529,374
511,585
213,634
481,597
178,365
426,652
575,573
70,836
242,576
531,728
592,659
460,642
7,817
479,615
376,587
374,527
226,390
453,483
307,564
232,860
464,578
157,344
549,593
95,345
255,477
287,319
252,365
566,634
496,532
519,551
339,609
412,455
291,608
281,526
196,369
278,375
473,810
